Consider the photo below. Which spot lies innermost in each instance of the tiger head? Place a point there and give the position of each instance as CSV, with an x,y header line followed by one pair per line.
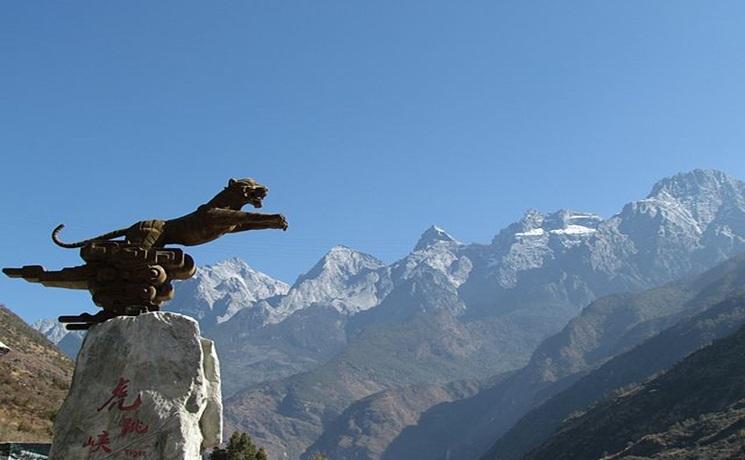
x,y
246,191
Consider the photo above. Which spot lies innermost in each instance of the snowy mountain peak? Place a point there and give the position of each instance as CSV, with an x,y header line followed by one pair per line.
x,y
341,261
433,235
231,266
437,250
531,220
699,184
341,250
240,275
344,278
696,199
51,329
219,291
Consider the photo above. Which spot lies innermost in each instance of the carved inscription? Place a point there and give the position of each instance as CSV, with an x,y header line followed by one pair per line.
x,y
131,426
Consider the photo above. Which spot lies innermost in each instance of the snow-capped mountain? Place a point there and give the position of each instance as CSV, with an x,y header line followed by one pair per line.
x,y
704,196
67,341
219,291
434,235
348,280
688,223
51,329
438,250
534,242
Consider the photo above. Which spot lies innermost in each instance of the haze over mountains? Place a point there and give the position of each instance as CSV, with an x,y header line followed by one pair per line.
x,y
360,359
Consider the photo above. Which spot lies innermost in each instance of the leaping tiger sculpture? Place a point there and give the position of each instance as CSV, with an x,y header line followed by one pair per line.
x,y
129,276
221,215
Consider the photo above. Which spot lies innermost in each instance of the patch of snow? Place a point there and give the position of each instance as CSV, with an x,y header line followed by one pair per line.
x,y
573,230
533,232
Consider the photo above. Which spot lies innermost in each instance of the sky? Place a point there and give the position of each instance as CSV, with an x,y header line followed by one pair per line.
x,y
368,121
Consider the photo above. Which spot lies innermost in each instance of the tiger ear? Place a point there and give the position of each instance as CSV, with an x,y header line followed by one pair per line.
x,y
231,182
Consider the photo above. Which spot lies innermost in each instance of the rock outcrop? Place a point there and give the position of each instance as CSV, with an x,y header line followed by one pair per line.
x,y
144,386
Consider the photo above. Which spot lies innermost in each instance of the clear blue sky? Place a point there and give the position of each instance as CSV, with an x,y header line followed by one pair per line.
x,y
369,121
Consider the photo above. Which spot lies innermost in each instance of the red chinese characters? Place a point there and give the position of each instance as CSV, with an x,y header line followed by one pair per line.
x,y
130,425
133,425
101,442
118,395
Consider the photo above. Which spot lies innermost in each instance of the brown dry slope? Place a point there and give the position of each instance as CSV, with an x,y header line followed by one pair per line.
x,y
34,379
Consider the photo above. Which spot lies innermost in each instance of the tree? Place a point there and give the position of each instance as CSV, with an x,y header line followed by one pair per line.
x,y
240,447
248,448
318,456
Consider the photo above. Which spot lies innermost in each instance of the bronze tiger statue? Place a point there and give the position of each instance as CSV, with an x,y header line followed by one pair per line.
x,y
219,216
131,276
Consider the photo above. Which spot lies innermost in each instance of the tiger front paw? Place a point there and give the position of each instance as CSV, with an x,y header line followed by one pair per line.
x,y
281,222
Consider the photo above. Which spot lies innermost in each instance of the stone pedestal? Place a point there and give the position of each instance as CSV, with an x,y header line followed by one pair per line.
x,y
145,387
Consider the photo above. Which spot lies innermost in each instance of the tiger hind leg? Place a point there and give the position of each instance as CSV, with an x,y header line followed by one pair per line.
x,y
147,234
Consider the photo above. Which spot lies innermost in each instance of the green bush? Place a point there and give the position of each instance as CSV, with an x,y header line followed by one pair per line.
x,y
240,447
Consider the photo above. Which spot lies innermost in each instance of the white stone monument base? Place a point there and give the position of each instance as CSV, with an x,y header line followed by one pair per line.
x,y
145,387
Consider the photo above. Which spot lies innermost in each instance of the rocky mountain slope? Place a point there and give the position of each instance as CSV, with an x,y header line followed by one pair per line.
x,y
695,410
250,355
34,378
368,427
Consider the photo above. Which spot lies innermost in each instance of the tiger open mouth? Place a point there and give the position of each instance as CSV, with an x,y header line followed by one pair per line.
x,y
255,195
